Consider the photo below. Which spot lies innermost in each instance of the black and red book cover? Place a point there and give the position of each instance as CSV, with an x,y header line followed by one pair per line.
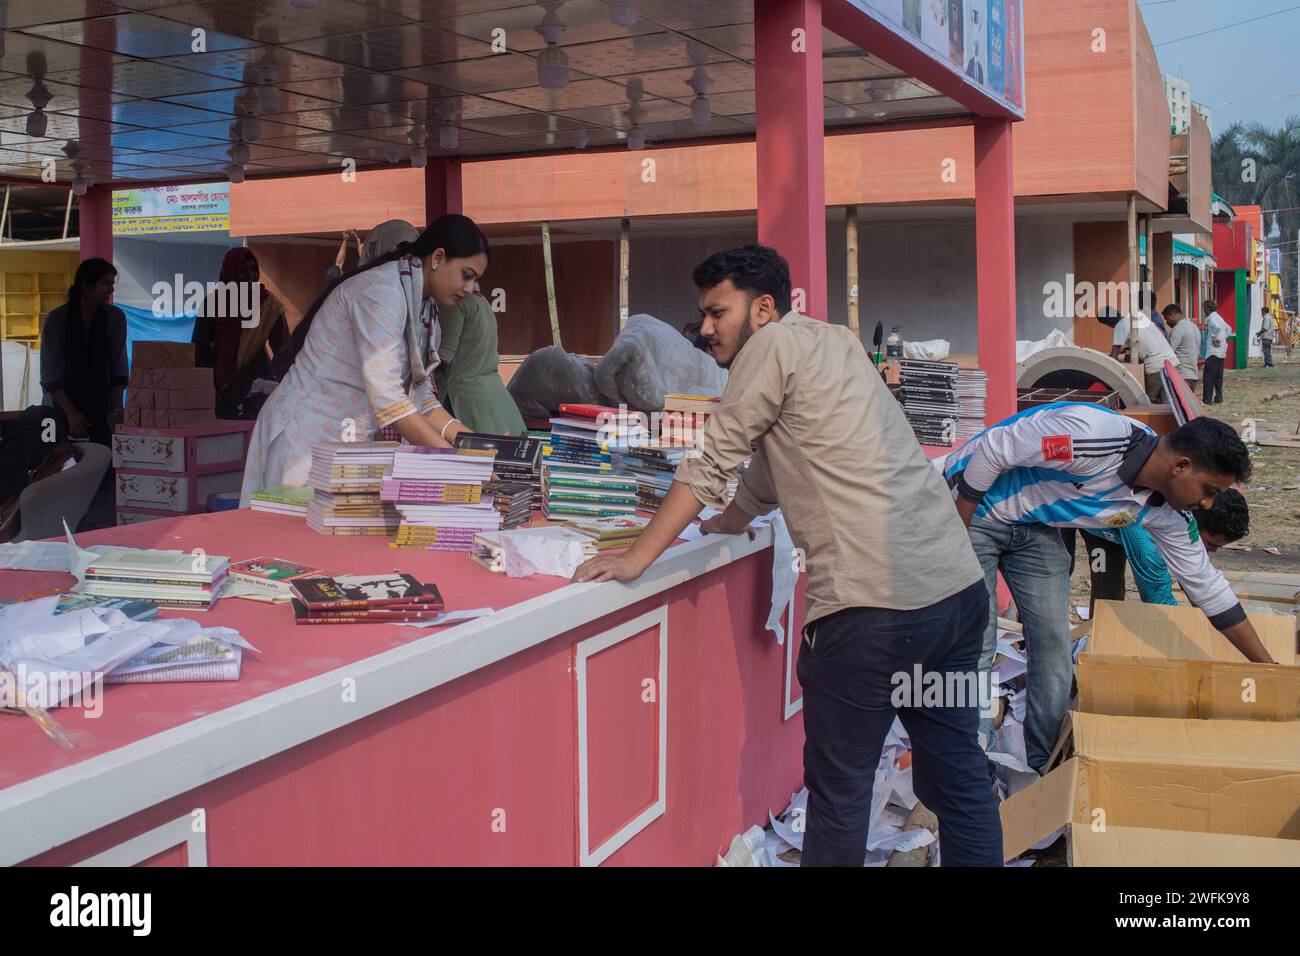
x,y
365,591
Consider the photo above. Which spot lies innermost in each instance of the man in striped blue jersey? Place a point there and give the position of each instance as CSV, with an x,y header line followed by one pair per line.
x,y
1073,465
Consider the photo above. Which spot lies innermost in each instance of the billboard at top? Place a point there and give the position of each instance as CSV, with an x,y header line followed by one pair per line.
x,y
982,39
162,209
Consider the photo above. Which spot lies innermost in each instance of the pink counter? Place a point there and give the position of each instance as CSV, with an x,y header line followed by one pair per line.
x,y
634,724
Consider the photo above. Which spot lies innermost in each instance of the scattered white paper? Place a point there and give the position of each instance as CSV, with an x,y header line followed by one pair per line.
x,y
903,841
786,831
448,617
522,555
1083,612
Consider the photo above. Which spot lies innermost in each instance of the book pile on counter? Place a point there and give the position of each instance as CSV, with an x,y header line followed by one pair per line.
x,y
364,598
972,396
347,478
578,440
518,459
928,391
438,492
174,579
577,491
513,500
685,417
653,467
266,579
282,500
620,531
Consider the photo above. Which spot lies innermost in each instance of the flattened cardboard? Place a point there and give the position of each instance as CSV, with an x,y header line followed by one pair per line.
x,y
1134,629
162,354
1197,690
1216,743
1106,794
171,378
1144,846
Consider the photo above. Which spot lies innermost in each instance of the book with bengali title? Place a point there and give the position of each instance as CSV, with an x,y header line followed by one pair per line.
x,y
271,574
364,591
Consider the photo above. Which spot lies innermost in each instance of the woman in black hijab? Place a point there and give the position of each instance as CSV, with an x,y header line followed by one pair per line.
x,y
83,353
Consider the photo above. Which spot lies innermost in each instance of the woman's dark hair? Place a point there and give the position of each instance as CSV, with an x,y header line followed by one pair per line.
x,y
88,273
457,236
756,270
1229,518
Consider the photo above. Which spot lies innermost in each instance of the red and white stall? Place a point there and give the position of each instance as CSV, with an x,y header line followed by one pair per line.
x,y
577,724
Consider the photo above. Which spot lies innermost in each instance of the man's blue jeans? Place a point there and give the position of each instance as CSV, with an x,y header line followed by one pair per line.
x,y
1036,567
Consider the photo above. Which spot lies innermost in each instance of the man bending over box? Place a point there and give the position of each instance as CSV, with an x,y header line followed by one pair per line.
x,y
1069,465
893,586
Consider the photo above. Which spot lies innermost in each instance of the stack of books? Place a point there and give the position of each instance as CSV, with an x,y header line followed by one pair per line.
x,y
607,533
438,492
577,441
584,491
364,598
347,478
972,395
266,579
928,391
518,459
684,418
175,579
487,545
653,467
513,500
282,500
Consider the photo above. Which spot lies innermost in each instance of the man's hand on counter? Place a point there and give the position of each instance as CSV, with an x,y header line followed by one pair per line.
x,y
610,567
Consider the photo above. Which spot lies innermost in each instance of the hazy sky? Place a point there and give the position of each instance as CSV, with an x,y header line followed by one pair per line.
x,y
1229,68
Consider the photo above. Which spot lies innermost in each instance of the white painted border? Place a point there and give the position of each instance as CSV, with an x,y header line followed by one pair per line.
x,y
585,649
792,637
146,845
52,809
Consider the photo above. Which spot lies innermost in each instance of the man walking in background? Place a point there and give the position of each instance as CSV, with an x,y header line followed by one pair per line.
x,y
1216,353
1267,335
1185,340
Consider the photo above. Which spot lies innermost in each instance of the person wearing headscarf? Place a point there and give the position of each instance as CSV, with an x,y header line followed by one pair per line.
x,y
359,360
468,382
83,353
386,237
239,348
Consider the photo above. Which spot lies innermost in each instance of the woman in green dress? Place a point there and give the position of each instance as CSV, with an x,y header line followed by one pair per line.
x,y
468,383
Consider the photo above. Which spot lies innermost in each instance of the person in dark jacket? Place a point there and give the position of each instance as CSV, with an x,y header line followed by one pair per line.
x,y
83,354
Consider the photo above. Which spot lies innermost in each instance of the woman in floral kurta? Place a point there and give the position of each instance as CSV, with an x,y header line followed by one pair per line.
x,y
365,363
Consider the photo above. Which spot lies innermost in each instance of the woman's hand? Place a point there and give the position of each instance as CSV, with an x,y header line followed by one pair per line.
x,y
610,567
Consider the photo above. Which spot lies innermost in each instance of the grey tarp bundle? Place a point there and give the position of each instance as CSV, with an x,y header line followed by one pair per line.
x,y
549,377
651,359
648,360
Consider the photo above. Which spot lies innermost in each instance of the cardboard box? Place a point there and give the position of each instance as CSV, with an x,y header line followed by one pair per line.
x,y
179,494
162,355
1197,690
1221,743
171,378
182,417
205,398
1133,629
197,450
1107,797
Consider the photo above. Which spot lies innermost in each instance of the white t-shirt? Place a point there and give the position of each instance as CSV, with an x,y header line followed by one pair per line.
x,y
1153,347
1268,327
1220,330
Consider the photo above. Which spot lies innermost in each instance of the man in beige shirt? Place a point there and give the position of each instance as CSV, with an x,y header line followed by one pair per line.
x,y
896,600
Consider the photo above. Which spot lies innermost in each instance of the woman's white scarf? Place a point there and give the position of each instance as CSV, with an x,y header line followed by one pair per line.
x,y
411,273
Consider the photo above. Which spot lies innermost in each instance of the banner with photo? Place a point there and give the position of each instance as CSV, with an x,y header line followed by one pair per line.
x,y
981,38
162,209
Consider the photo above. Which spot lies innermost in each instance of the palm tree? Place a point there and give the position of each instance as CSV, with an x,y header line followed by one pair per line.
x,y
1228,171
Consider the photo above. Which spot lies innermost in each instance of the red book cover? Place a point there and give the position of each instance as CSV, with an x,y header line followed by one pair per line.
x,y
303,615
587,411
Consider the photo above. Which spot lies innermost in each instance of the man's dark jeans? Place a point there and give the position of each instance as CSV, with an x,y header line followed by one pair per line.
x,y
1212,386
848,663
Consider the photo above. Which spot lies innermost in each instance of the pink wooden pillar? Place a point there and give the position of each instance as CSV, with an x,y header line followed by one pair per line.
x,y
442,189
95,216
995,257
790,130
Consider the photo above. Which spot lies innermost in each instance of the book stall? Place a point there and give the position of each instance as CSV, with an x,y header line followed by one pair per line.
x,y
389,664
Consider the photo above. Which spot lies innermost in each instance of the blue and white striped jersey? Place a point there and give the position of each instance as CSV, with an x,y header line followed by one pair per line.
x,y
1073,465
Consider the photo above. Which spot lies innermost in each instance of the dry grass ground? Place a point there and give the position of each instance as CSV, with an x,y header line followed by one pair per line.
x,y
1274,490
